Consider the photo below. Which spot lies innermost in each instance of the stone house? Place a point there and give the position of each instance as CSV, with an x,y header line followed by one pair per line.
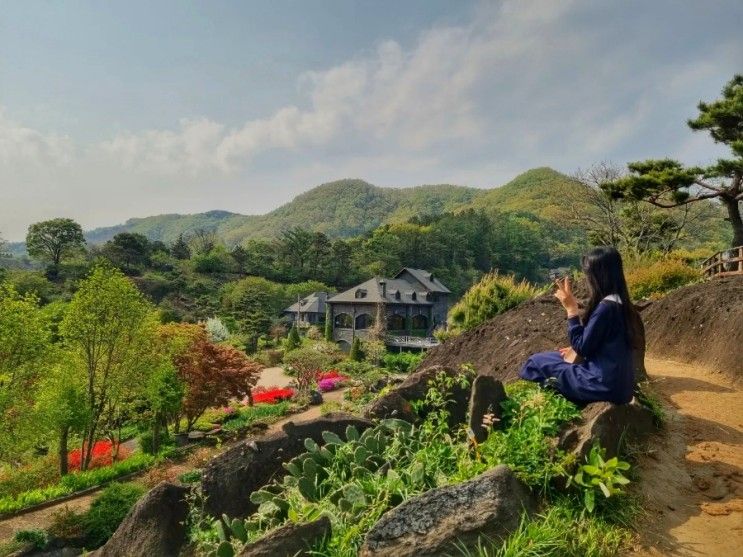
x,y
411,304
310,310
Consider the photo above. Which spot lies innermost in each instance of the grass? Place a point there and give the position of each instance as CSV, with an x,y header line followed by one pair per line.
x,y
249,415
562,529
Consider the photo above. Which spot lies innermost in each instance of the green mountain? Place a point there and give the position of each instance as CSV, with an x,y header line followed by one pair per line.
x,y
543,192
343,208
350,207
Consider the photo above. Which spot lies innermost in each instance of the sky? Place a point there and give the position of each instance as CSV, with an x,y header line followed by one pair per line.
x,y
112,110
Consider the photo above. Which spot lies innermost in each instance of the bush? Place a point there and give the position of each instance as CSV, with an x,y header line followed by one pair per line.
x,y
270,358
145,441
493,295
404,362
40,472
652,280
190,477
216,330
108,510
67,526
38,538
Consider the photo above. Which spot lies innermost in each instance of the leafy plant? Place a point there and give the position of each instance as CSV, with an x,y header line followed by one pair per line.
x,y
108,510
38,538
599,475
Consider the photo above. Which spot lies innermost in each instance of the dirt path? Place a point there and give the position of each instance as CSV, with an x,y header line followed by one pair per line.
x,y
692,479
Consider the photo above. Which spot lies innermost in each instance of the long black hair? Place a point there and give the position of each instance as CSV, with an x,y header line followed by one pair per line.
x,y
605,276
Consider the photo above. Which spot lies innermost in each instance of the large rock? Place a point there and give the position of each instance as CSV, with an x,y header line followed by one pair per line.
x,y
610,425
391,405
155,526
230,477
416,386
487,395
292,540
489,505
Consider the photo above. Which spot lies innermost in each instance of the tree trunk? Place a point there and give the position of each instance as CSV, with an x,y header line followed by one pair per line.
x,y
156,435
64,433
736,220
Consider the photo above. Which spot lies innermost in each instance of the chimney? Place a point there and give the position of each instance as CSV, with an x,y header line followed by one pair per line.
x,y
383,284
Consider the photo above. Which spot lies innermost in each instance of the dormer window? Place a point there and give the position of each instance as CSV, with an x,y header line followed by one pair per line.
x,y
414,296
397,295
360,293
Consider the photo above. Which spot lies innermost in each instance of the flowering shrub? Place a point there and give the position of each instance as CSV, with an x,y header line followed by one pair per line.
x,y
102,455
330,380
271,395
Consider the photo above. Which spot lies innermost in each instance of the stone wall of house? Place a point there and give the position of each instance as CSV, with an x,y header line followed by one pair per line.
x,y
408,312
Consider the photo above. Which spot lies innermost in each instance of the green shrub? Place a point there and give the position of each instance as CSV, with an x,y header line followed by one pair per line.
x,y
493,295
108,510
356,355
652,280
251,414
41,472
38,538
190,477
403,362
145,441
68,526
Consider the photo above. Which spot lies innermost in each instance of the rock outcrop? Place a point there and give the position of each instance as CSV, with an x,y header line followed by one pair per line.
x,y
415,387
155,526
292,540
610,425
487,395
391,405
230,477
430,524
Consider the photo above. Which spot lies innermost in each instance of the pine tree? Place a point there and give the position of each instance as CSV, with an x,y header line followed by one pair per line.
x,y
180,249
293,341
356,355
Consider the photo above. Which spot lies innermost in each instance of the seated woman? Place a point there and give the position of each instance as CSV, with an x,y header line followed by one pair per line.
x,y
602,336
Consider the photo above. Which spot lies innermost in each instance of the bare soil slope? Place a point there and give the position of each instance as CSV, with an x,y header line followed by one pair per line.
x,y
501,345
691,479
701,323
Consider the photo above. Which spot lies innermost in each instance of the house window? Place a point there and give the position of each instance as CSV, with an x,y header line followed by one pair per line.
x,y
360,293
397,295
364,321
396,323
420,322
343,321
414,296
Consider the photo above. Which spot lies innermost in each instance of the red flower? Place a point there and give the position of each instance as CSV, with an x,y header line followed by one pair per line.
x,y
271,395
102,455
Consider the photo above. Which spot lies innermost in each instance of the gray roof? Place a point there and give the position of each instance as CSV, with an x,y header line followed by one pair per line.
x,y
428,280
373,290
314,303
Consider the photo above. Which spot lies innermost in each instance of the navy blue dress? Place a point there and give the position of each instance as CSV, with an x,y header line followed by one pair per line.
x,y
607,373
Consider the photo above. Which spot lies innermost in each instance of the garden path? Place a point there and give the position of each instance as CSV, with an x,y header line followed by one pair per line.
x,y
692,481
42,518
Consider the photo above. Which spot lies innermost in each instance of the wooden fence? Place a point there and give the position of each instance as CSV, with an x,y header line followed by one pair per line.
x,y
724,263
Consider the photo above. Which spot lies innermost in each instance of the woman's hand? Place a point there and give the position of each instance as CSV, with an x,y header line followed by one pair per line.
x,y
564,293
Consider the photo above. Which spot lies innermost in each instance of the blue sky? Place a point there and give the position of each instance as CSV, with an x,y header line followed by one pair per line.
x,y
120,109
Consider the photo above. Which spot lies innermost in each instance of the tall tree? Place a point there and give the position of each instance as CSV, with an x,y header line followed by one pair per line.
x,y
180,249
53,240
667,183
108,329
25,351
128,251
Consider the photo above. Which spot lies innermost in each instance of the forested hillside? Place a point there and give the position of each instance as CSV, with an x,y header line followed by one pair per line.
x,y
347,208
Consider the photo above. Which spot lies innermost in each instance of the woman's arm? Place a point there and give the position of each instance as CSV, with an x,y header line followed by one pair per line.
x,y
586,340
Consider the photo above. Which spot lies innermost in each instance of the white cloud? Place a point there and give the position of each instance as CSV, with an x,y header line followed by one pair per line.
x,y
23,145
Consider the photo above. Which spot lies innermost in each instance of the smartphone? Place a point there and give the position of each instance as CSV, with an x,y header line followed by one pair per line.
x,y
558,274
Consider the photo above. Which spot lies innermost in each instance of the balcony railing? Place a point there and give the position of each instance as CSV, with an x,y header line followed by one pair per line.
x,y
406,341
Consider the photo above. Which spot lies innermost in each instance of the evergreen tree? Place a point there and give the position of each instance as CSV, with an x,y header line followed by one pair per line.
x,y
180,249
356,355
293,341
328,326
